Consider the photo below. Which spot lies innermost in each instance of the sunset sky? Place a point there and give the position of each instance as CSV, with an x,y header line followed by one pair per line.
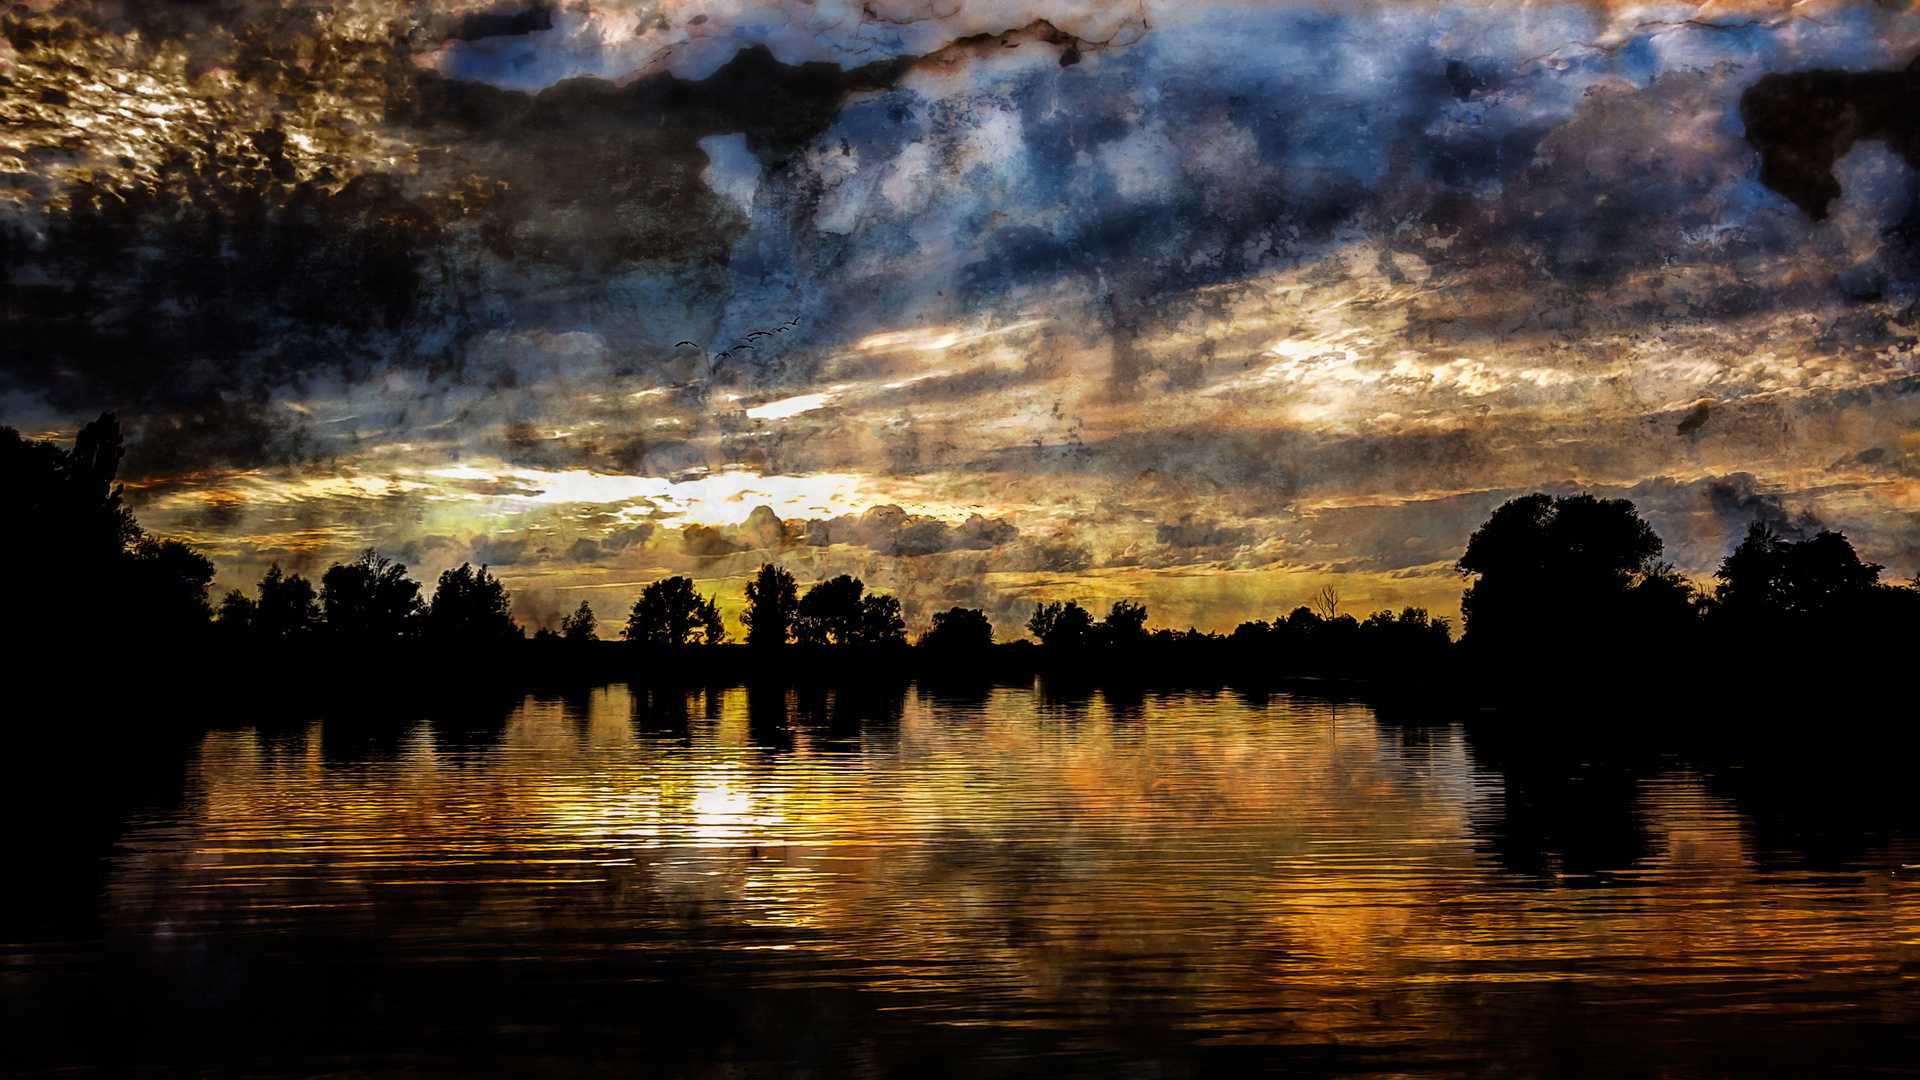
x,y
1201,304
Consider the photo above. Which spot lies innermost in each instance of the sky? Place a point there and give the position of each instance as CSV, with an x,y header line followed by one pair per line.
x,y
1202,304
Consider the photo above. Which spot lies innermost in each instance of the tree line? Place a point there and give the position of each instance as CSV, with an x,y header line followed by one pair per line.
x,y
372,598
1550,576
1571,573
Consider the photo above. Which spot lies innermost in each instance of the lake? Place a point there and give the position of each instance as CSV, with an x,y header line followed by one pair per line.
x,y
727,882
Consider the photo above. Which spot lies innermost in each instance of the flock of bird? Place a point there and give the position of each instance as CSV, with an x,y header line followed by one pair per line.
x,y
743,344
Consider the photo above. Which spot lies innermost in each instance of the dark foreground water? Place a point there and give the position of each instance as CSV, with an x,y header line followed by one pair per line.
x,y
773,884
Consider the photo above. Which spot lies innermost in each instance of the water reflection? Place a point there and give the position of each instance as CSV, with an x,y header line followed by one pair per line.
x,y
971,880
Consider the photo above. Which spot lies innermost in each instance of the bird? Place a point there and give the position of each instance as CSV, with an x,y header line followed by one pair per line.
x,y
677,344
725,355
795,321
748,347
758,333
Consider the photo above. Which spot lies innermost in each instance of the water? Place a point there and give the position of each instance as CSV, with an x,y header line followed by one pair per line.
x,y
777,884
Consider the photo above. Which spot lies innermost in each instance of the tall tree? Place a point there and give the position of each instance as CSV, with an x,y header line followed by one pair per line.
x,y
69,525
670,612
772,606
91,564
370,598
471,607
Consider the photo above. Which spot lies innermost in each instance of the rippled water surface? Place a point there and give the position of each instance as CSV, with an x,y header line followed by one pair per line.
x,y
779,884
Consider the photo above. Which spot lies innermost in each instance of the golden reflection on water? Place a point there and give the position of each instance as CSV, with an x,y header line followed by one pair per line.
x,y
1271,872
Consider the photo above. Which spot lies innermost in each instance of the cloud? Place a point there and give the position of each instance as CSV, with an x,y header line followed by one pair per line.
x,y
1237,292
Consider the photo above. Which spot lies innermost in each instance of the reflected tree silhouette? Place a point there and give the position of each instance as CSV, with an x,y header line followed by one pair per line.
x,y
663,709
1568,811
770,715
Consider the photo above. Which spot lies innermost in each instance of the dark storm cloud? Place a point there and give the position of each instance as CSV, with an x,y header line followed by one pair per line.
x,y
1804,122
195,287
202,287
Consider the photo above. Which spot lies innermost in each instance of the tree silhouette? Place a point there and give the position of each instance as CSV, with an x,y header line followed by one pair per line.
x,y
958,628
580,625
288,605
880,621
1549,570
165,584
772,606
829,613
669,612
84,549
1767,579
370,597
1663,604
1327,601
1389,639
235,613
1125,624
470,607
836,612
1061,624
75,504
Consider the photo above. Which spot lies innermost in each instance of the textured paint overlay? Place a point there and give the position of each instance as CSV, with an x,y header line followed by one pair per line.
x,y
1201,304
